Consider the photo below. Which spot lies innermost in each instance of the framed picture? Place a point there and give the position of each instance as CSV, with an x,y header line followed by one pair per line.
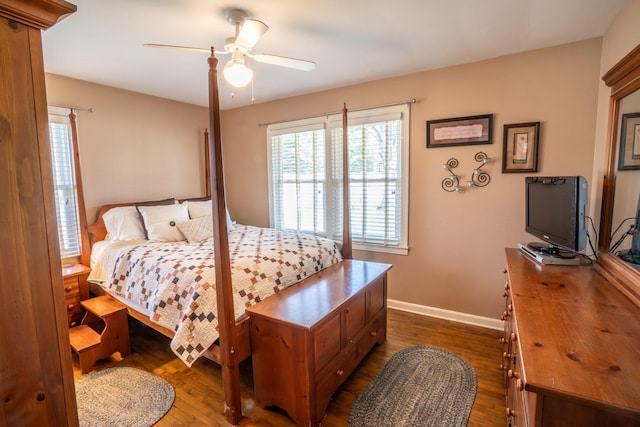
x,y
470,130
520,151
630,142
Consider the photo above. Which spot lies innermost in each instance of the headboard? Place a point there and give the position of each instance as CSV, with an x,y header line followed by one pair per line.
x,y
98,231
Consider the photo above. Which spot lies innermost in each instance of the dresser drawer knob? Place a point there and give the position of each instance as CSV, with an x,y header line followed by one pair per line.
x,y
506,355
510,412
374,334
68,288
514,337
502,340
512,374
340,372
519,384
70,307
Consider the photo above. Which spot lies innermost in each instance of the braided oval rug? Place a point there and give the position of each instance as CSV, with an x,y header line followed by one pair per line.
x,y
119,397
418,386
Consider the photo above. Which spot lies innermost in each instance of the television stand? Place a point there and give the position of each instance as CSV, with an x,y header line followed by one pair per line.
x,y
549,255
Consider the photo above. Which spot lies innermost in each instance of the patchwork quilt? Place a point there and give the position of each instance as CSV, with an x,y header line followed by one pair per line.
x,y
175,282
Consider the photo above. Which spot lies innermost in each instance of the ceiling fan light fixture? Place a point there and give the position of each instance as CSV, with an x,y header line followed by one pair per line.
x,y
236,73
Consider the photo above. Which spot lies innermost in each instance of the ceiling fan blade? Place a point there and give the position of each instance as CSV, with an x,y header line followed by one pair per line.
x,y
194,49
251,31
283,61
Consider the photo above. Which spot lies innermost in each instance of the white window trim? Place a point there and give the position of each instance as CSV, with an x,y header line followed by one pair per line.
x,y
356,117
60,115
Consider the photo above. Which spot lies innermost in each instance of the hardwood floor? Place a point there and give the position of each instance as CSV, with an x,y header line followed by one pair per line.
x,y
199,388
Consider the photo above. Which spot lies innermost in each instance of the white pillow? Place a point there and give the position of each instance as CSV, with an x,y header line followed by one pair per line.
x,y
198,229
161,221
202,208
199,208
123,223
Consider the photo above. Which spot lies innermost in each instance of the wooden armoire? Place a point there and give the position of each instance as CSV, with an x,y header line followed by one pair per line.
x,y
36,376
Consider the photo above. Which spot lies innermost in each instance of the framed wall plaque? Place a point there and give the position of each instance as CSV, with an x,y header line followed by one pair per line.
x,y
520,150
470,130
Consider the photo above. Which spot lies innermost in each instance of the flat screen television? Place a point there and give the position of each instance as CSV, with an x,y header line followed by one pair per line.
x,y
555,212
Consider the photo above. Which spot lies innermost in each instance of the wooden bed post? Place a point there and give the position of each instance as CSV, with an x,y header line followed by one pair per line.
x,y
224,290
85,245
207,167
346,211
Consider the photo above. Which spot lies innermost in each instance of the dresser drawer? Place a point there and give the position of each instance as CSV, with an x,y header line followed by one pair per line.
x,y
336,372
376,297
354,317
75,289
74,310
71,287
374,333
326,341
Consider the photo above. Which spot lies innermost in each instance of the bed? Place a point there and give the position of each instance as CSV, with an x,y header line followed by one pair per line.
x,y
172,282
189,339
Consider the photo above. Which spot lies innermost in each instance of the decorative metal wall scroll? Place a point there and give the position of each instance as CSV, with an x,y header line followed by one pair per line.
x,y
479,178
451,183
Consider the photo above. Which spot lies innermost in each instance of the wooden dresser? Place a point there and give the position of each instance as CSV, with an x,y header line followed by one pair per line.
x,y
571,347
76,289
308,339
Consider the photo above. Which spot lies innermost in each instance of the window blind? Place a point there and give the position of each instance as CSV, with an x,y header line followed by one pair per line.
x,y
375,184
64,182
306,176
298,180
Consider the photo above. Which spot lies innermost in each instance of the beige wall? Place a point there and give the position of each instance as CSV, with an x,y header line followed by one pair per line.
x,y
456,241
133,147
622,37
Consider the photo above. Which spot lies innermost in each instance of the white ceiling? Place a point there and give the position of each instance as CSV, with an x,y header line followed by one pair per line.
x,y
351,41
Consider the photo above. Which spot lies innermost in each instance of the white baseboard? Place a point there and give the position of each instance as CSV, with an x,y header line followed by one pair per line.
x,y
455,316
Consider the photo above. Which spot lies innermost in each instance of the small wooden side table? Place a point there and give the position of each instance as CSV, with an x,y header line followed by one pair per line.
x,y
76,289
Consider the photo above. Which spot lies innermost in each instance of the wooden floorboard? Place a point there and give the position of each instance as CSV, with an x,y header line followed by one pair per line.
x,y
199,388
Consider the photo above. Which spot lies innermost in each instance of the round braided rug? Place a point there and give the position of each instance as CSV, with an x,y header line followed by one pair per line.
x,y
418,386
122,397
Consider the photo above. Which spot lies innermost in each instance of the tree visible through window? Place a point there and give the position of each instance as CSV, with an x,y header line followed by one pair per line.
x,y
306,176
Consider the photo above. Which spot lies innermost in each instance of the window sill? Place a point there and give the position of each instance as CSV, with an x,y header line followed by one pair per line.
x,y
395,250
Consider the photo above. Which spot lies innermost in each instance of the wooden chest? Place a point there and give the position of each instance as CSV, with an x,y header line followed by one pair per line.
x,y
308,339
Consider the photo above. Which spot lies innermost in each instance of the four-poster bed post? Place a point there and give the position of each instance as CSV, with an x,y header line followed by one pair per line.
x,y
85,245
346,219
207,169
226,320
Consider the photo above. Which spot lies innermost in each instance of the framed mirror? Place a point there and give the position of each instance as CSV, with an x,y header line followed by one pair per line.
x,y
619,247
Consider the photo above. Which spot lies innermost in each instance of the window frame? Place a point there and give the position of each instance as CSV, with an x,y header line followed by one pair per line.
x,y
333,121
61,115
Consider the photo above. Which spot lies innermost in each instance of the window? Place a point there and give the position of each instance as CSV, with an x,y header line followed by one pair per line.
x,y
305,162
64,182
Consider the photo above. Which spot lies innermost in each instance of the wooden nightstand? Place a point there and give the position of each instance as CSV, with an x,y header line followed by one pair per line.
x,y
76,289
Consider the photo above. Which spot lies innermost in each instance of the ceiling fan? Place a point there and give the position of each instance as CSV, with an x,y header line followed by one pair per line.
x,y
248,33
